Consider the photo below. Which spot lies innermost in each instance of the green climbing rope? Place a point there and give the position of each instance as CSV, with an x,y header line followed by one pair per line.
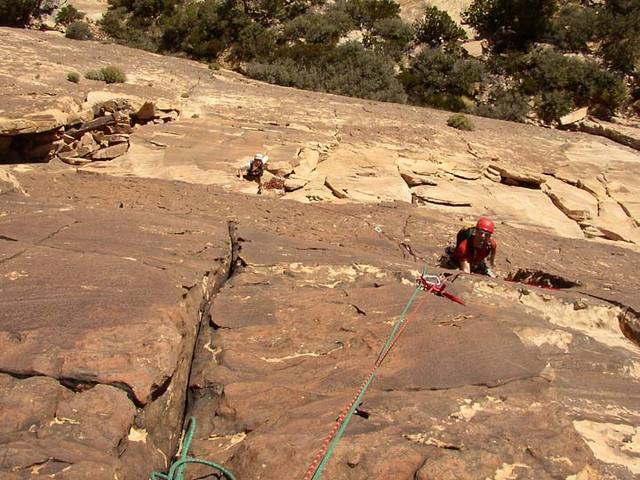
x,y
176,472
347,419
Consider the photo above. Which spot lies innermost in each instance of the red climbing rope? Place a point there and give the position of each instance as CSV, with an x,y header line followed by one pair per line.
x,y
438,287
422,283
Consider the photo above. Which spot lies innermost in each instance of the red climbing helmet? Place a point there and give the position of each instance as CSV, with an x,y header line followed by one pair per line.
x,y
485,224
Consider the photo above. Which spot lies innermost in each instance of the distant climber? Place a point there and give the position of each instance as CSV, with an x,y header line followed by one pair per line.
x,y
474,247
254,167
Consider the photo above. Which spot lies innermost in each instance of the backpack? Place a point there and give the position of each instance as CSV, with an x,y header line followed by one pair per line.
x,y
257,168
465,233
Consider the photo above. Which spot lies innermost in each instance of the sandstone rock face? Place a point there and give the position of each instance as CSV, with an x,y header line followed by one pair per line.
x,y
366,151
109,335
158,285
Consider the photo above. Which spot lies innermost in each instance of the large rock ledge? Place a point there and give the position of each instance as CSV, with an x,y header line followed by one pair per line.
x,y
98,320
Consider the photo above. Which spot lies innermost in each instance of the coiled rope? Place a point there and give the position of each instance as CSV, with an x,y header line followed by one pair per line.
x,y
176,472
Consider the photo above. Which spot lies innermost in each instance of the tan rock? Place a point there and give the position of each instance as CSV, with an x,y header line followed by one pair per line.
x,y
280,168
575,116
513,174
615,224
9,183
87,145
369,189
445,194
112,101
16,126
474,48
576,204
71,158
110,153
123,128
116,138
294,183
417,172
493,175
308,159
414,179
146,112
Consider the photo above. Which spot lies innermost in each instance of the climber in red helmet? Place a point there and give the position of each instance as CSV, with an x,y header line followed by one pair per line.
x,y
476,245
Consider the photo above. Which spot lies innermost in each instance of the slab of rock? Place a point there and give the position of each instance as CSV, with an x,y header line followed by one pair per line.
x,y
293,183
99,359
614,223
618,133
576,204
115,138
369,188
475,48
309,159
146,112
111,152
447,193
280,168
518,176
575,116
86,145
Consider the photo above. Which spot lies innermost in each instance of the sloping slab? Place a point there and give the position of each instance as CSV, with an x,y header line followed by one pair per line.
x,y
474,353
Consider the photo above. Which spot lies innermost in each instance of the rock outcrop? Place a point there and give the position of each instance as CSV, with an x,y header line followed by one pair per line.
x,y
155,286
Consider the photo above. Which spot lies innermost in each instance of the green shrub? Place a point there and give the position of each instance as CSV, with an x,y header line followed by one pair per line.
x,y
574,27
505,105
68,14
391,37
203,29
348,69
73,77
510,23
460,122
620,35
113,74
554,104
79,31
439,78
365,13
584,80
437,28
19,13
94,75
254,42
109,74
318,28
129,30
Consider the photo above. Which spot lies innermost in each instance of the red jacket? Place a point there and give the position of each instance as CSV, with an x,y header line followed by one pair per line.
x,y
465,251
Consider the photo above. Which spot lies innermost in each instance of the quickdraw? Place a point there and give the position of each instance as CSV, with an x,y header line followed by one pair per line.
x,y
434,284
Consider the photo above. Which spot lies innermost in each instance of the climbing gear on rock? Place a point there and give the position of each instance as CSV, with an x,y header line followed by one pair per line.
x,y
434,284
176,472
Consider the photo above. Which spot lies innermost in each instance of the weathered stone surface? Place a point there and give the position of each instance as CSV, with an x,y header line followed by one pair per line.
x,y
475,48
532,383
293,183
116,138
146,112
445,194
279,168
9,183
111,152
107,343
518,175
577,204
575,116
625,136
